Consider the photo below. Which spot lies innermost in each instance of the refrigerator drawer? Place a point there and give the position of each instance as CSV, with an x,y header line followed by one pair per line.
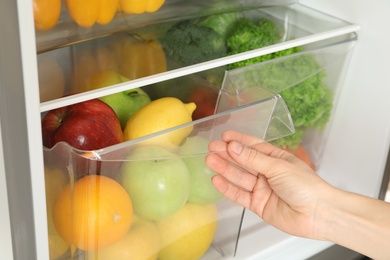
x,y
250,100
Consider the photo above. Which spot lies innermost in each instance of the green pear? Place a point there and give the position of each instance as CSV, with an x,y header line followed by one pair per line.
x,y
125,103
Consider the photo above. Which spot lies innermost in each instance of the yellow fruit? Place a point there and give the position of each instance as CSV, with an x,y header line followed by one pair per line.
x,y
46,13
141,243
55,182
96,213
158,115
188,233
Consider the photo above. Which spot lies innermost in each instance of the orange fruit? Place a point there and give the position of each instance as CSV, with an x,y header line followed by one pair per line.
x,y
96,213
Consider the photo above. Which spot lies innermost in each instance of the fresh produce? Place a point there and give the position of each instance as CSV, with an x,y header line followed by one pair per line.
x,y
205,98
247,35
88,125
193,152
46,13
139,7
55,182
189,233
95,213
309,100
86,13
189,43
125,103
158,115
123,54
136,58
157,180
222,23
142,242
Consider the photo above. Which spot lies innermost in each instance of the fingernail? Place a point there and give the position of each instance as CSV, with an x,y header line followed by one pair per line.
x,y
236,147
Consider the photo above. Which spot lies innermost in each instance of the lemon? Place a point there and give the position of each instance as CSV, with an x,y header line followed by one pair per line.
x,y
188,233
158,115
141,243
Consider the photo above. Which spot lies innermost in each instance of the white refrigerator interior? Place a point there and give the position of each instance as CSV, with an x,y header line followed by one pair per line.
x,y
353,158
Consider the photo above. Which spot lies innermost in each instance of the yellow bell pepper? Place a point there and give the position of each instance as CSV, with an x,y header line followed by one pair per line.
x,y
46,13
88,12
139,7
140,59
120,53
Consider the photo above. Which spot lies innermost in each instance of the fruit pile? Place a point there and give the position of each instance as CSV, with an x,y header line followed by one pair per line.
x,y
157,203
87,13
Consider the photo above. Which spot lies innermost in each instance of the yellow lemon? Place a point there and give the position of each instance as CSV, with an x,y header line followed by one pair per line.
x,y
55,182
141,243
158,115
188,233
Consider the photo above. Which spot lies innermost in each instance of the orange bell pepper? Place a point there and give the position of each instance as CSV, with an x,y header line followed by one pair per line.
x,y
46,13
139,7
88,12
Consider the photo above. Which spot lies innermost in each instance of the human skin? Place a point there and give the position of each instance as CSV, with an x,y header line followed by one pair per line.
x,y
285,192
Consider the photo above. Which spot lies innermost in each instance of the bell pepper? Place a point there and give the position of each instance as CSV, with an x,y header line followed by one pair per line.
x,y
139,7
140,59
88,12
46,13
120,53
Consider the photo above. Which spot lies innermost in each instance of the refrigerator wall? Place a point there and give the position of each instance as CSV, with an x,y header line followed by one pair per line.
x,y
354,156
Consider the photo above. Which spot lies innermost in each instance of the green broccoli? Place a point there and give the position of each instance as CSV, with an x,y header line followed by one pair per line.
x,y
309,100
189,43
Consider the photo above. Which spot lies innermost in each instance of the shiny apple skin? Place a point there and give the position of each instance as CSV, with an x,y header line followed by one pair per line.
x,y
88,125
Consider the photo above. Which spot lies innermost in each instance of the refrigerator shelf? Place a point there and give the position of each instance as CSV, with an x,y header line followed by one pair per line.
x,y
72,29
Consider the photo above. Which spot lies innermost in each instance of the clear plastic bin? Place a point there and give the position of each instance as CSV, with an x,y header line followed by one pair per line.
x,y
194,210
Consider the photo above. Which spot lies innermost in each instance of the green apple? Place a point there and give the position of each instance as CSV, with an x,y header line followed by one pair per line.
x,y
202,190
124,103
157,181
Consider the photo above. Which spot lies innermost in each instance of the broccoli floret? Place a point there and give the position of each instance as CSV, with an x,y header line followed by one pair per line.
x,y
189,43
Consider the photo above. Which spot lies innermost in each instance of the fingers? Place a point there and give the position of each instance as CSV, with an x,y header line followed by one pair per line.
x,y
230,172
231,192
262,147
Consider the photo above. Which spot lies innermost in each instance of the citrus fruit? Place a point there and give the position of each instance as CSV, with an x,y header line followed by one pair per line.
x,y
96,213
55,181
158,115
188,233
141,243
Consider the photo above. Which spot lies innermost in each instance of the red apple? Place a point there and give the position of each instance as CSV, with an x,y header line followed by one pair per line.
x,y
205,98
89,125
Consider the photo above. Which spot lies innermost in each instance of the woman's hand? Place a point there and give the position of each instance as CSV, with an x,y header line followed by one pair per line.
x,y
273,183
